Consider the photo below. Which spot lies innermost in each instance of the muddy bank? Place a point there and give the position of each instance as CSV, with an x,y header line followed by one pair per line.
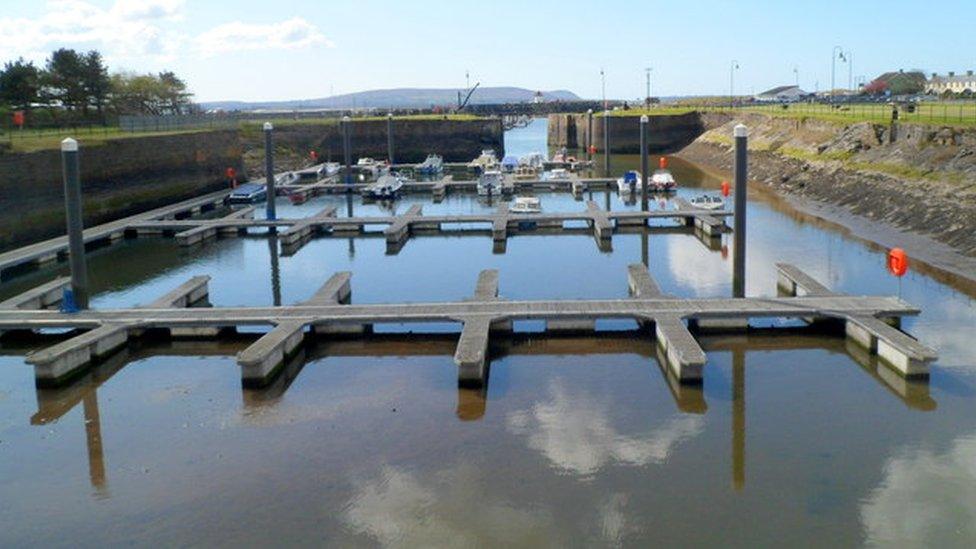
x,y
846,175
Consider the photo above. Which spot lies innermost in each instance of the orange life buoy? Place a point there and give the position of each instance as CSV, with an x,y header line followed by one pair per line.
x,y
897,262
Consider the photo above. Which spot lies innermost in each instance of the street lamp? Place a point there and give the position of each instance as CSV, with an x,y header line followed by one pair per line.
x,y
603,84
732,68
796,76
850,70
835,54
648,71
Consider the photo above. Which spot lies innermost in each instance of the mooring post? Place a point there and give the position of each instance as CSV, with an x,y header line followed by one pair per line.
x,y
72,206
589,134
606,142
346,153
389,137
741,174
269,168
643,146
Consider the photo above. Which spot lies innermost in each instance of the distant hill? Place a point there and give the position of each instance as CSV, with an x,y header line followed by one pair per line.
x,y
399,98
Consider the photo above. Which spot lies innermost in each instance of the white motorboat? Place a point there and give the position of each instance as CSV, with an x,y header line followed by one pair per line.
x,y
662,181
387,186
486,162
490,183
558,174
707,202
526,204
432,165
248,193
631,181
533,160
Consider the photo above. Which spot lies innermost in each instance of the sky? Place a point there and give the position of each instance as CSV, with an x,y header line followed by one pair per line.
x,y
303,49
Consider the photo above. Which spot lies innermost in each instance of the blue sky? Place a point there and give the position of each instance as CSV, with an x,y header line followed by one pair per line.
x,y
297,49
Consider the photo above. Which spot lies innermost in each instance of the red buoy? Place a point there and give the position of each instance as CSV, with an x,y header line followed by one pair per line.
x,y
726,189
592,149
663,162
231,173
313,155
897,262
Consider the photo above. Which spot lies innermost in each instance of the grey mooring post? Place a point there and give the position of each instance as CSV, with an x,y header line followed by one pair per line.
x,y
72,206
589,133
606,142
741,174
346,153
269,168
389,137
643,146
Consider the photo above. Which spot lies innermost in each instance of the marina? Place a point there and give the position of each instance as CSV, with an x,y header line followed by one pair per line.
x,y
325,335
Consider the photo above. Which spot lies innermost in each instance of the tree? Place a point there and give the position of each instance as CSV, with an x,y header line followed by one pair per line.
x,y
876,87
63,80
174,92
95,81
149,94
19,84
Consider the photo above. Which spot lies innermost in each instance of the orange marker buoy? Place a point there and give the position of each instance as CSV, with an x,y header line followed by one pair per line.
x,y
897,262
663,162
592,149
726,189
313,155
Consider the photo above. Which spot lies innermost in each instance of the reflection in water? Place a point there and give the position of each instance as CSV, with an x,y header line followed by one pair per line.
x,y
573,430
275,268
738,419
926,498
93,437
397,508
471,403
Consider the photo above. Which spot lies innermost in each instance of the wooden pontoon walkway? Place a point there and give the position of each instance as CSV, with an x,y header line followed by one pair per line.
x,y
864,319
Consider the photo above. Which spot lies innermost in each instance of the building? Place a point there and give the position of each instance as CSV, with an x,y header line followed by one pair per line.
x,y
782,94
951,83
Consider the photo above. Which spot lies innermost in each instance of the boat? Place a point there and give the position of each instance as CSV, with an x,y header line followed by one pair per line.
x,y
662,181
533,160
631,181
248,193
526,204
485,162
369,168
558,174
509,164
432,165
387,186
707,202
490,183
526,173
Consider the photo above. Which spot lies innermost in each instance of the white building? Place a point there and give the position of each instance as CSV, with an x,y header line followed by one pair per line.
x,y
952,82
782,94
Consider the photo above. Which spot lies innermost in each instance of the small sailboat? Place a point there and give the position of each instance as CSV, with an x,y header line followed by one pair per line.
x,y
432,165
386,187
490,183
707,202
526,204
631,181
248,193
662,180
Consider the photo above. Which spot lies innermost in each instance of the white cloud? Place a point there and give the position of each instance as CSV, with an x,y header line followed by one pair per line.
x,y
575,433
137,10
294,33
925,498
127,30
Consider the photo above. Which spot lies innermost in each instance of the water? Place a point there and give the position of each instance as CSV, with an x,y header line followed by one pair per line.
x,y
793,436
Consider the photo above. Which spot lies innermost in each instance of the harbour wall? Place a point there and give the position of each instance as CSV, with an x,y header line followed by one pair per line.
x,y
120,177
413,140
666,133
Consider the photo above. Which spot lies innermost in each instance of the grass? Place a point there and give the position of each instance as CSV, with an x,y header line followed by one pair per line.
x,y
960,113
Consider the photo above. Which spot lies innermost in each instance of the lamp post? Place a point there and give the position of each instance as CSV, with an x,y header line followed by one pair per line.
x,y
850,70
647,72
837,52
796,76
732,68
603,86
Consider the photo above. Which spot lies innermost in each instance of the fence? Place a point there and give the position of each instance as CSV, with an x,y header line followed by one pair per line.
x,y
949,112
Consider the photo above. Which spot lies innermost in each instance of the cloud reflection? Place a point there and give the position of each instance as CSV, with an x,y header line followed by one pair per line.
x,y
925,498
575,433
397,509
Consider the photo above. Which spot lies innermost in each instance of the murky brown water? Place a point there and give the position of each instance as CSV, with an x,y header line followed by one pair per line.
x,y
794,438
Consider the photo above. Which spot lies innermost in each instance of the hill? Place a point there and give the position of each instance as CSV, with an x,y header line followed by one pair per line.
x,y
400,98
